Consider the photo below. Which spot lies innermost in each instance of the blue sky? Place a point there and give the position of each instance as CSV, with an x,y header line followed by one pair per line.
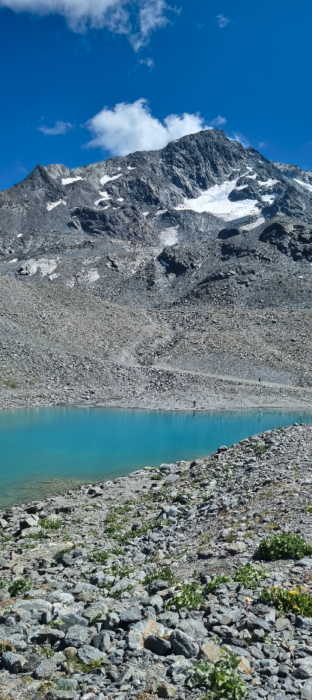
x,y
249,63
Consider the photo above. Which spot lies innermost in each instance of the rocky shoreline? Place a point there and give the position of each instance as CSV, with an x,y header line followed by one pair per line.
x,y
111,591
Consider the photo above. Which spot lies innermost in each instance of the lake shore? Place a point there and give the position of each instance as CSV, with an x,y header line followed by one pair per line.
x,y
90,599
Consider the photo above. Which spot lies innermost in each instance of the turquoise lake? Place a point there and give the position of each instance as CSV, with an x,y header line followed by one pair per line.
x,y
48,450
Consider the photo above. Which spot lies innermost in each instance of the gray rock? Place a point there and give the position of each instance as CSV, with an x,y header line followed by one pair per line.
x,y
45,668
76,636
156,602
193,628
183,644
101,641
303,622
60,596
306,691
87,654
130,615
71,620
157,645
169,619
205,554
14,663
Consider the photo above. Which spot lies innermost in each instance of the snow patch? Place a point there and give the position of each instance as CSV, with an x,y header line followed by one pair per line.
x,y
215,201
304,184
269,182
120,199
130,168
43,266
108,178
19,235
88,276
268,198
52,205
161,211
69,180
14,260
252,177
169,236
254,224
104,198
145,213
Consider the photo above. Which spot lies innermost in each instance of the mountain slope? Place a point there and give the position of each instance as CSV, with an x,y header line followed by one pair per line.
x,y
165,238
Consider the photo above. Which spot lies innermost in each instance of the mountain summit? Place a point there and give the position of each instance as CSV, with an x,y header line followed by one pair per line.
x,y
135,259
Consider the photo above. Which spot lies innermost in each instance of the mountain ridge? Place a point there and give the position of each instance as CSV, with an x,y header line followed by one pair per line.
x,y
200,231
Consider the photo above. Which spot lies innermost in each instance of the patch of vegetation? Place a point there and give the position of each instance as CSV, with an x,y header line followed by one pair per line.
x,y
49,525
2,583
249,577
19,586
99,556
131,534
294,601
59,554
221,679
119,592
164,573
10,383
216,582
6,646
190,595
260,449
283,546
308,509
57,624
64,684
156,477
27,545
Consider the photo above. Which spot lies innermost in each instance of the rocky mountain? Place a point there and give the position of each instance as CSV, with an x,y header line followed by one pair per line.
x,y
203,224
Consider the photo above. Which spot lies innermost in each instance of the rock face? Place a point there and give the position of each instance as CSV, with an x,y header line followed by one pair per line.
x,y
149,256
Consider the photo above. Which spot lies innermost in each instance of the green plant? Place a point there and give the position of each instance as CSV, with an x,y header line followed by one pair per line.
x,y
10,384
216,582
19,586
248,576
283,546
57,624
47,652
294,601
99,556
48,525
59,554
190,595
260,449
64,684
156,477
2,583
221,679
164,573
308,509
87,668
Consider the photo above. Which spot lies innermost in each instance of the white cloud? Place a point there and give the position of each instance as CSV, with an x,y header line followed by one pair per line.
x,y
59,128
240,138
131,127
149,62
116,15
218,121
222,21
